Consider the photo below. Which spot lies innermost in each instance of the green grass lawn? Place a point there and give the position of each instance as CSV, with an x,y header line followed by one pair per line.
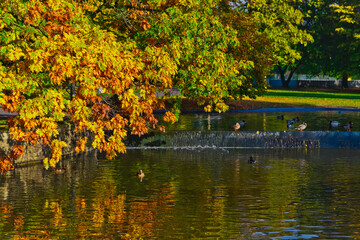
x,y
305,98
3,124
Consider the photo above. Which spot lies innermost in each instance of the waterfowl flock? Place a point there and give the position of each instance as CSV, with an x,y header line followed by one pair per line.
x,y
335,124
292,123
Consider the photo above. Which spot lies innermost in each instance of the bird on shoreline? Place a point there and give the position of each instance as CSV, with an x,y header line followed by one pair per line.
x,y
296,119
242,123
301,127
290,123
334,124
348,126
238,125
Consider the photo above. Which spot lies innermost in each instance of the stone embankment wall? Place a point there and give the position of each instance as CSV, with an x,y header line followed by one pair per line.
x,y
34,176
38,153
204,139
249,139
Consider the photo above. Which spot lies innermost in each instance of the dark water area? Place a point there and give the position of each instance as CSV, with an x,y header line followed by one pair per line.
x,y
188,194
267,121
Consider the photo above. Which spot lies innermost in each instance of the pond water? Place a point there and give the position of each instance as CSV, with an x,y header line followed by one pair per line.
x,y
267,121
187,194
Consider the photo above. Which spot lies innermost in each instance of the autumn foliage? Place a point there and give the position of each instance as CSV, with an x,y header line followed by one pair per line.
x,y
131,51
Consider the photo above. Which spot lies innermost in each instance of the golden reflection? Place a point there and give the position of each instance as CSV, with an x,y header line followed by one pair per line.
x,y
5,209
80,204
15,223
57,219
219,204
283,192
18,222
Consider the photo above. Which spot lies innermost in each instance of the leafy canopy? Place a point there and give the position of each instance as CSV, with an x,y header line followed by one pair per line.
x,y
132,51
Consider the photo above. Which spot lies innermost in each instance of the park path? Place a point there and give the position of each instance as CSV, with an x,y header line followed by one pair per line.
x,y
5,115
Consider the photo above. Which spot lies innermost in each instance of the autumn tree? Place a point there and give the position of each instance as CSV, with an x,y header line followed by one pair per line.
x,y
132,51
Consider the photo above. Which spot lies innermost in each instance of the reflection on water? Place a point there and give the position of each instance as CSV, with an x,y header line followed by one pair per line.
x,y
185,194
266,121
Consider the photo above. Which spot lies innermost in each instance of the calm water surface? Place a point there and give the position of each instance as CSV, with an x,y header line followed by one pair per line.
x,y
266,121
188,194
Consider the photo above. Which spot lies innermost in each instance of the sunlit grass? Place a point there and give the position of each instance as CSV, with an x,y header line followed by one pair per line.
x,y
307,99
3,124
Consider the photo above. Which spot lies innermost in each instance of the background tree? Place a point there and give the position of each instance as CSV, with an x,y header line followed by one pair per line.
x,y
255,48
282,21
334,26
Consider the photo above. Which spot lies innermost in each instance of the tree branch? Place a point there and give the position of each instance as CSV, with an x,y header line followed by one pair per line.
x,y
143,9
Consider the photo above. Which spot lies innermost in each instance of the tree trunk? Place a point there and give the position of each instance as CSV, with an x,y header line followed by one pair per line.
x,y
344,81
290,77
282,72
285,81
72,91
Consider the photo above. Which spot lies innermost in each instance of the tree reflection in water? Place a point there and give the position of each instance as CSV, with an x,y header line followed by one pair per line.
x,y
211,193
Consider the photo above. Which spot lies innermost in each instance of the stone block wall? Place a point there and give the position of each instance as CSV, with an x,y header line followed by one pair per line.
x,y
249,139
38,152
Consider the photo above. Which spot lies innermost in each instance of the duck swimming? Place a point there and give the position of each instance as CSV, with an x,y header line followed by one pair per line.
x,y
251,160
140,174
59,170
301,126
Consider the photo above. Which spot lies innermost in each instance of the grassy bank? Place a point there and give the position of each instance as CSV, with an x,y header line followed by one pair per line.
x,y
301,98
3,124
349,98
312,98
